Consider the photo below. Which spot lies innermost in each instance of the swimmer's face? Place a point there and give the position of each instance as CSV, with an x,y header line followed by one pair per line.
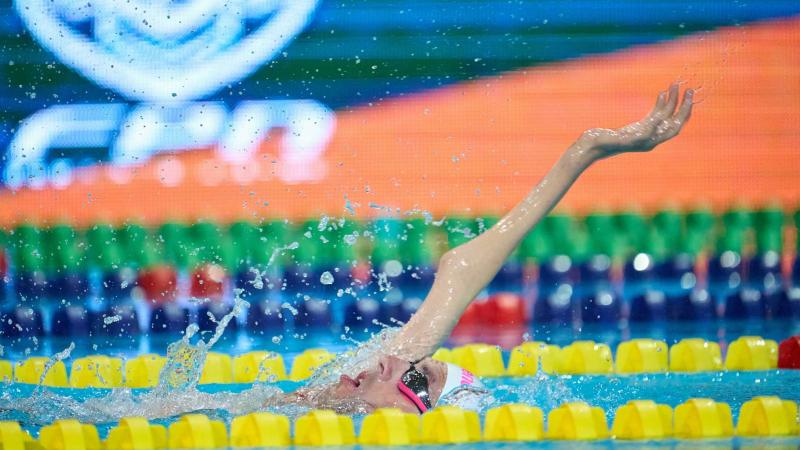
x,y
377,387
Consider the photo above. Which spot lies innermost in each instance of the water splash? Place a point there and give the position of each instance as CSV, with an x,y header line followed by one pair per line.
x,y
185,360
350,207
171,401
350,239
184,363
108,320
360,358
259,277
49,406
175,393
60,356
323,223
316,392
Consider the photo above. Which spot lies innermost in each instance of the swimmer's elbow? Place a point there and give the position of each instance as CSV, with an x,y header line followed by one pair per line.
x,y
447,260
449,264
454,277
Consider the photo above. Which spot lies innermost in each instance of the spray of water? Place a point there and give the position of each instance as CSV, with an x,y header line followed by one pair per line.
x,y
60,356
177,393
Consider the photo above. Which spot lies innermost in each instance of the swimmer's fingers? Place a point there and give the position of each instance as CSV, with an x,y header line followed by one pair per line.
x,y
660,101
672,101
685,111
671,127
665,106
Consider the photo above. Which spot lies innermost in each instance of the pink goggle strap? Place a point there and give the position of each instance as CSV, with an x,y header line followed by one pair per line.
x,y
412,396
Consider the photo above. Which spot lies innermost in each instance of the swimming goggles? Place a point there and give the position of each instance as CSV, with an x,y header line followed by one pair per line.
x,y
414,385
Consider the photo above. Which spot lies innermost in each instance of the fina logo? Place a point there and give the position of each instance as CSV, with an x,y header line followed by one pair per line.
x,y
166,53
157,50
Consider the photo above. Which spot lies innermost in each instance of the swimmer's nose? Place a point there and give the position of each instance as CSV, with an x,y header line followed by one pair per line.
x,y
390,367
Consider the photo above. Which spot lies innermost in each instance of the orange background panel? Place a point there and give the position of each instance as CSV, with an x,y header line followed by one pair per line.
x,y
480,146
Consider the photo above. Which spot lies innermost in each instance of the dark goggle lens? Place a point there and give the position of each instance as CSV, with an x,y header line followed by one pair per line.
x,y
417,382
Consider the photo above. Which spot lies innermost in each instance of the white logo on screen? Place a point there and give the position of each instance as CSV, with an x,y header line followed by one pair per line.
x,y
159,50
167,53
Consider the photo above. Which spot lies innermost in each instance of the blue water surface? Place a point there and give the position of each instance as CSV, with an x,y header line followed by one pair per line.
x,y
545,391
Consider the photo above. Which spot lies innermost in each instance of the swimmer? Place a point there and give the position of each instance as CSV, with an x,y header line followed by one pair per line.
x,y
406,377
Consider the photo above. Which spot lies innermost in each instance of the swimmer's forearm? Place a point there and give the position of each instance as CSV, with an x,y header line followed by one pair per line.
x,y
507,233
478,261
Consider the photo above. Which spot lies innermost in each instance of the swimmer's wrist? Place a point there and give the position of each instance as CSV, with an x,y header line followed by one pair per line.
x,y
583,152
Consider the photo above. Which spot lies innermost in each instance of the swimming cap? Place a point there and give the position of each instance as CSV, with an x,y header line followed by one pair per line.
x,y
462,388
458,377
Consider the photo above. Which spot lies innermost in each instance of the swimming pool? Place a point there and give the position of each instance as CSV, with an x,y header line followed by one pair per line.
x,y
623,285
609,392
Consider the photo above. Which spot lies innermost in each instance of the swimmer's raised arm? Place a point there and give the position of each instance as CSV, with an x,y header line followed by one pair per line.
x,y
465,270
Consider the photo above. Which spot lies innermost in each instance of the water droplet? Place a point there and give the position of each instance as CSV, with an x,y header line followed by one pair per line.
x,y
326,278
393,268
111,319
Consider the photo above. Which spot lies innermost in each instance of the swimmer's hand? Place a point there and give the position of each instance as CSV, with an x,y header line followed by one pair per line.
x,y
662,124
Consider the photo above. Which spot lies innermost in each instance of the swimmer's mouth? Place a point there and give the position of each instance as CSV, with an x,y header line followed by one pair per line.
x,y
353,382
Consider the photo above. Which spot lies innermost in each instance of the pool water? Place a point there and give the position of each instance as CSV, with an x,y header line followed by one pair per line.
x,y
545,391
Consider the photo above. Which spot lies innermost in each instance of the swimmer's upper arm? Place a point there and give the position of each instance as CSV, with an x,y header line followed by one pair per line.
x,y
437,315
462,273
